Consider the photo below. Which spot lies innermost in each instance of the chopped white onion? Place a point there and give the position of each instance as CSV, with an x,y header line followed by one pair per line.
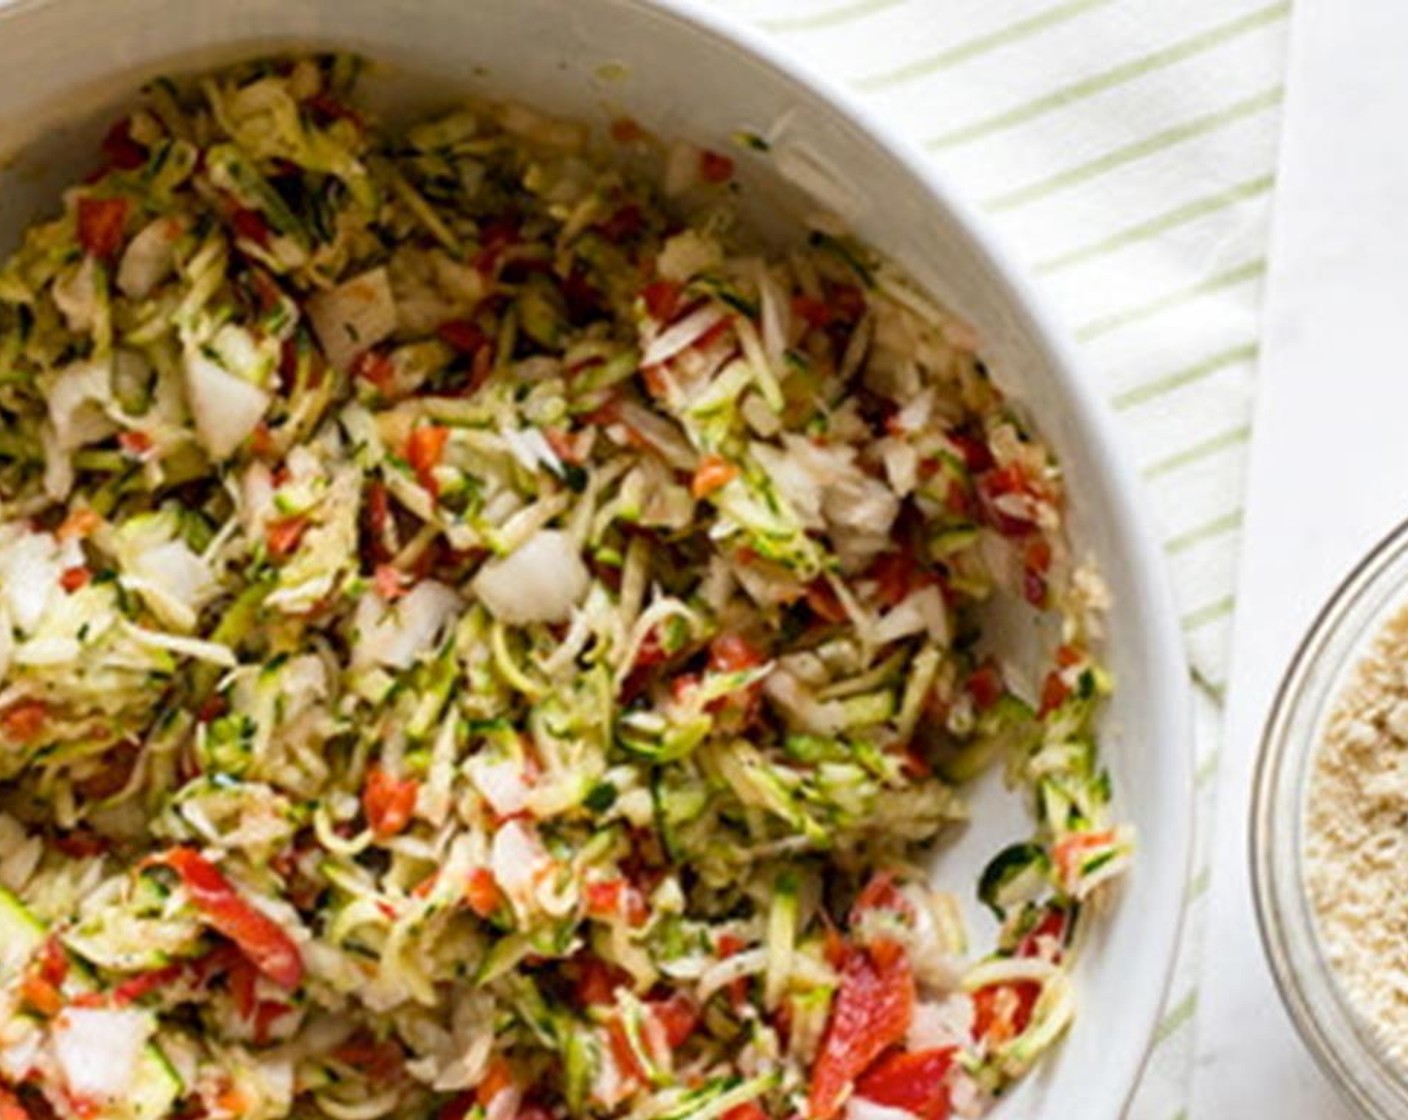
x,y
76,296
395,634
683,334
76,398
226,408
98,1049
173,580
500,782
149,258
516,859
531,448
30,566
19,1057
920,611
200,650
541,581
353,316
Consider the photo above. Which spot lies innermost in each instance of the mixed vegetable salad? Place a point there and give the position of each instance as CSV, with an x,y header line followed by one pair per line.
x,y
480,637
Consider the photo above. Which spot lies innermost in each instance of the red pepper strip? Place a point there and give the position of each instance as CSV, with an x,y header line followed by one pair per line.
x,y
423,452
144,983
872,1012
261,939
1003,1011
914,1082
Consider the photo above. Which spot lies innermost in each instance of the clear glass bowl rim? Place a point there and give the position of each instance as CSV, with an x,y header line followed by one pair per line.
x,y
1344,1048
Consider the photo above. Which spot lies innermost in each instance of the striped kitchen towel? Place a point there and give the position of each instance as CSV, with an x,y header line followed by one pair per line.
x,y
1127,149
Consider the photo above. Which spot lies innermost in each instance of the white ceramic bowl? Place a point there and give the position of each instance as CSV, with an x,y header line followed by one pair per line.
x,y
65,65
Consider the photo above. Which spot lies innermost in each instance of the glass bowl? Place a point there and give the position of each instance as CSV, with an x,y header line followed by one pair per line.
x,y
1343,1044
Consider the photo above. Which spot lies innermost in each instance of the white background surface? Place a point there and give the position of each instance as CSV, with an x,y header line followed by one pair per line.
x,y
1329,476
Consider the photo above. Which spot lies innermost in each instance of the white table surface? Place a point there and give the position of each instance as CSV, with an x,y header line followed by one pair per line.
x,y
1329,476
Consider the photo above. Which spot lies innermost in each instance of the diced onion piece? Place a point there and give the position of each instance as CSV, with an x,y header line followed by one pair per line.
x,y
76,296
395,634
98,1049
516,860
353,316
679,336
500,782
149,258
30,566
226,408
541,581
173,580
76,400
921,610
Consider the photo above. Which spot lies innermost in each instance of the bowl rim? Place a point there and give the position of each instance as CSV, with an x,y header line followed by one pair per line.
x,y
1092,416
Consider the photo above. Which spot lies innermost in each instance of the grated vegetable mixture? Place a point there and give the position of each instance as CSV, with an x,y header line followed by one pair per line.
x,y
480,637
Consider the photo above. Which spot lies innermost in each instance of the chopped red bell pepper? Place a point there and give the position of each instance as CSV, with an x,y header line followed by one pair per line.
x,y
824,602
79,523
481,892
121,151
101,222
250,225
75,578
381,1060
816,313
616,898
376,368
389,802
497,1078
1003,1011
914,1082
261,939
424,451
872,1012
1046,938
662,299
283,536
144,983
713,473
733,653
1054,691
985,686
624,1054
1071,849
390,582
136,444
714,167
880,893
597,981
462,335
24,722
677,1016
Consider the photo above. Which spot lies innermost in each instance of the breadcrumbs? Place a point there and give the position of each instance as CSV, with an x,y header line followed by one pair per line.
x,y
1357,837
